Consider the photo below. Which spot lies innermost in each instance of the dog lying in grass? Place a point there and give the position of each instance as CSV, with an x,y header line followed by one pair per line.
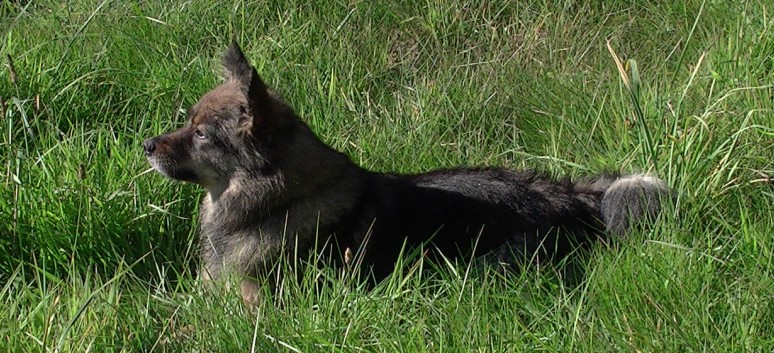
x,y
274,188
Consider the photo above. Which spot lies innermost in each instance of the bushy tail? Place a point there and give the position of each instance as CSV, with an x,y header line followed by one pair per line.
x,y
630,199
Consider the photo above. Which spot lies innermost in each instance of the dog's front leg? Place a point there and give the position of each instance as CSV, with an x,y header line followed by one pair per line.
x,y
248,285
250,291
212,263
207,274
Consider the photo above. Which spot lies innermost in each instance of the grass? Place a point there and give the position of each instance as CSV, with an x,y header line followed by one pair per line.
x,y
96,253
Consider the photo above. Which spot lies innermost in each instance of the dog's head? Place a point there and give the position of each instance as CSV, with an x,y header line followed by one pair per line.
x,y
229,130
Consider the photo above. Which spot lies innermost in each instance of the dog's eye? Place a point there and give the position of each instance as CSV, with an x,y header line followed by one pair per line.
x,y
199,134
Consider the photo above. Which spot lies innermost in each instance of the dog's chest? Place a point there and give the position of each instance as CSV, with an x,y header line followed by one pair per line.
x,y
227,218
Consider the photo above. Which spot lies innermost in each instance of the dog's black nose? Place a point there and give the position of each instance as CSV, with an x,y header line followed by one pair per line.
x,y
149,146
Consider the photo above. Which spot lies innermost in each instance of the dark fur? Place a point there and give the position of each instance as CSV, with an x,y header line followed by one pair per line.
x,y
273,185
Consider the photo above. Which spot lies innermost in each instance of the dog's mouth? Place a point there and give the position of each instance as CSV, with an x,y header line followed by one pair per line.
x,y
171,169
159,166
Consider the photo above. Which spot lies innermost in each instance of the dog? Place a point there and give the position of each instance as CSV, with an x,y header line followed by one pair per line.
x,y
273,187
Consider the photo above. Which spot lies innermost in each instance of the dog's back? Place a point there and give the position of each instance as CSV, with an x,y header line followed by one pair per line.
x,y
523,216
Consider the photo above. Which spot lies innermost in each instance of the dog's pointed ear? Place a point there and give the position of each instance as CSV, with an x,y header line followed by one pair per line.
x,y
235,65
237,68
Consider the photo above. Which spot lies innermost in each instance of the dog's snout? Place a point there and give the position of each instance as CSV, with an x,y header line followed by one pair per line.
x,y
149,146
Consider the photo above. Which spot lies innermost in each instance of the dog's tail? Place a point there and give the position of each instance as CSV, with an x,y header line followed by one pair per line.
x,y
627,200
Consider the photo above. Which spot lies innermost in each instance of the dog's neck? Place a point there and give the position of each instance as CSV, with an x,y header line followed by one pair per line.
x,y
216,191
277,206
241,188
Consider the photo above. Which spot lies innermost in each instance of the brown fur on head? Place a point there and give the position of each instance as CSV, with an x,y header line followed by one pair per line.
x,y
227,131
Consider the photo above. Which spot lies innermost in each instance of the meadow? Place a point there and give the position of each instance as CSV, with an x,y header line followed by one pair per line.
x,y
97,251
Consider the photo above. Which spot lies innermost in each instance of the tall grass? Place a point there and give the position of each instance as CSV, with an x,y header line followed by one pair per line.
x,y
97,251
